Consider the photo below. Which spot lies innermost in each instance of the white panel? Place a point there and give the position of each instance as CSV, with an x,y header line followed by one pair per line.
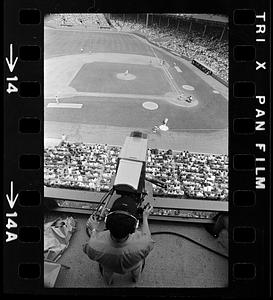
x,y
65,105
134,148
128,173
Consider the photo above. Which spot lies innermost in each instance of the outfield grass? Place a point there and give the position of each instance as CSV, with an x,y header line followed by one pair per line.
x,y
60,42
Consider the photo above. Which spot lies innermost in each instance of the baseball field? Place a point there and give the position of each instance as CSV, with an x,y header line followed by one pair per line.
x,y
110,83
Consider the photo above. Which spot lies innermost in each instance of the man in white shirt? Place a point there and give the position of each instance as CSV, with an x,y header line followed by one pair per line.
x,y
121,248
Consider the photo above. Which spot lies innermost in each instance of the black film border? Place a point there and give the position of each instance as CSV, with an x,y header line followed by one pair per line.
x,y
249,201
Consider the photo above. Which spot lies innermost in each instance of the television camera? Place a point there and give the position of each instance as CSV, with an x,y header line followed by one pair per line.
x,y
129,189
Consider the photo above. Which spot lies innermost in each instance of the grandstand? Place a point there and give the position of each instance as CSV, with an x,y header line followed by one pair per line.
x,y
91,167
221,19
203,38
90,21
116,73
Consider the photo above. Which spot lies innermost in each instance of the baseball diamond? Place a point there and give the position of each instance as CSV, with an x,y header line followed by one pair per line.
x,y
136,109
96,78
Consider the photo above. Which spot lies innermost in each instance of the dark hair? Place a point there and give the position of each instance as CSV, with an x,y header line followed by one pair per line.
x,y
120,225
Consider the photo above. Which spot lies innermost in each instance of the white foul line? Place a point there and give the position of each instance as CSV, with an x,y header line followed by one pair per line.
x,y
169,76
178,69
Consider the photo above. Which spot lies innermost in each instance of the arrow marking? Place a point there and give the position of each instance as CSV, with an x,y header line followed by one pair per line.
x,y
10,199
10,62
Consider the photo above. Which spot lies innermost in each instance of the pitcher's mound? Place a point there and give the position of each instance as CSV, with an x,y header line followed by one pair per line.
x,y
124,76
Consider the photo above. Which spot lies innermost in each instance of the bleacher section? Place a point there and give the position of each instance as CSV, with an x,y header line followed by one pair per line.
x,y
90,21
91,167
188,41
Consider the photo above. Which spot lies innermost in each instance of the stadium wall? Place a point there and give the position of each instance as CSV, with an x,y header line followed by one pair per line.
x,y
220,79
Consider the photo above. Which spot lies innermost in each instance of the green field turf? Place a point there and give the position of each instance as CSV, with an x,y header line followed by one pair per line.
x,y
101,77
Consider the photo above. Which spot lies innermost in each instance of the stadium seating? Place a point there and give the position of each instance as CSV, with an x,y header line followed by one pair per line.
x,y
91,167
94,21
208,49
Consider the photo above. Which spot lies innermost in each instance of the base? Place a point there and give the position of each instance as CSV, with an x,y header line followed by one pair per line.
x,y
164,127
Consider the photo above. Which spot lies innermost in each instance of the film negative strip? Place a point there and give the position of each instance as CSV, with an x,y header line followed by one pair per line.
x,y
249,141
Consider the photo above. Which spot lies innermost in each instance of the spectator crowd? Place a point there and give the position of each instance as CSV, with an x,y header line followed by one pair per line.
x,y
91,167
78,19
80,166
208,48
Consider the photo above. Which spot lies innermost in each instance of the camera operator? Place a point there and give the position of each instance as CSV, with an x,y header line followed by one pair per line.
x,y
121,248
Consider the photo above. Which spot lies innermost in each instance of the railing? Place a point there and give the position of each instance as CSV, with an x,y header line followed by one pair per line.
x,y
166,209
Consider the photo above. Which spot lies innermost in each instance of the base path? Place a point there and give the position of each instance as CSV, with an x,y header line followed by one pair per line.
x,y
164,54
60,71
